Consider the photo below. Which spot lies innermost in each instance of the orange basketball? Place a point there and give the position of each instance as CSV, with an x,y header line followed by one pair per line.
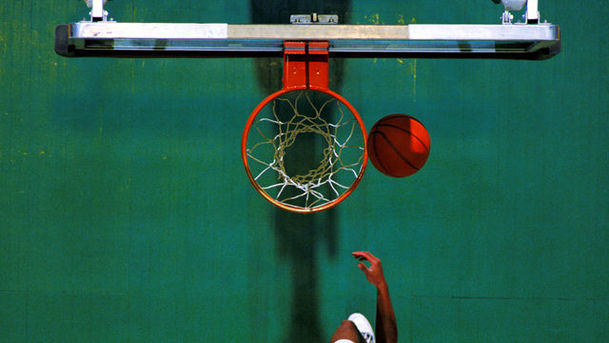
x,y
398,145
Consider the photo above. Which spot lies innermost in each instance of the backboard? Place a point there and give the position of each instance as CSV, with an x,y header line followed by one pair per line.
x,y
506,40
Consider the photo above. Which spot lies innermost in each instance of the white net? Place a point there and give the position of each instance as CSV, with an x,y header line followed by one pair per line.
x,y
305,149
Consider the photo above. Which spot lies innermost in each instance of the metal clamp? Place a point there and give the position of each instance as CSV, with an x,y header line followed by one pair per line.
x,y
314,18
506,17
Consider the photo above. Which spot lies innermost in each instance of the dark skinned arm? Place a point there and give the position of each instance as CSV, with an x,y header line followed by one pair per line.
x,y
386,326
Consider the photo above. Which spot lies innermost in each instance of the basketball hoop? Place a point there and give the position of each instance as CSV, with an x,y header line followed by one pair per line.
x,y
304,146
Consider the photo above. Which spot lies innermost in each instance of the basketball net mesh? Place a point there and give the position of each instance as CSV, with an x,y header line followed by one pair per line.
x,y
305,149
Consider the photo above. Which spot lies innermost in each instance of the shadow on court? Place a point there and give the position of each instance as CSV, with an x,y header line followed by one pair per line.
x,y
300,236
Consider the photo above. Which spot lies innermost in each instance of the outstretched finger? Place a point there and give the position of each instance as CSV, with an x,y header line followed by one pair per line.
x,y
365,255
360,255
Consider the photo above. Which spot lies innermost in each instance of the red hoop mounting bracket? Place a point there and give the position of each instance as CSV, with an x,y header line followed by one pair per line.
x,y
305,65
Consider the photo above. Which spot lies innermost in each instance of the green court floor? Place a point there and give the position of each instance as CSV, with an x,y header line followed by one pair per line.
x,y
126,214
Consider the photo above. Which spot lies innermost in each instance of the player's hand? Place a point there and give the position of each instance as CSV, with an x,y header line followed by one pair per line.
x,y
374,273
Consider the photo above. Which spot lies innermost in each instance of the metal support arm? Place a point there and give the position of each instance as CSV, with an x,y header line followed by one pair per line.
x,y
532,15
97,10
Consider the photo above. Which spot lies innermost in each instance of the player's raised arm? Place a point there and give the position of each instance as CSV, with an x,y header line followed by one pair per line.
x,y
386,326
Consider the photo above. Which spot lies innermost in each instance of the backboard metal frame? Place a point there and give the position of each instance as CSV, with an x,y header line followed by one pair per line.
x,y
114,39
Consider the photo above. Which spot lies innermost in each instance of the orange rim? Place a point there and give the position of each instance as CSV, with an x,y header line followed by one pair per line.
x,y
277,203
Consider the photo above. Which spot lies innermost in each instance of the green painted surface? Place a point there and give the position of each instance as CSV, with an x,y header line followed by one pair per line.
x,y
125,213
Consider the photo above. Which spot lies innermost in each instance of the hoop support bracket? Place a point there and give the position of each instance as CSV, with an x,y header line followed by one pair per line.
x,y
305,65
